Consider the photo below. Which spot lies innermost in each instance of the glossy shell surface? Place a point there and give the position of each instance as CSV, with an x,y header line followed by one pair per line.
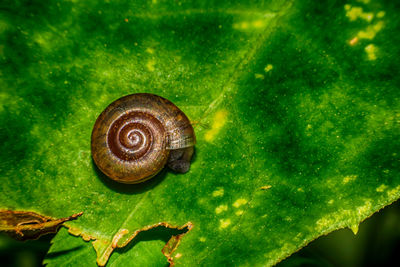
x,y
133,136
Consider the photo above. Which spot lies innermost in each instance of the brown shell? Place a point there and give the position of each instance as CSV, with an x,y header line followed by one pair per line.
x,y
132,137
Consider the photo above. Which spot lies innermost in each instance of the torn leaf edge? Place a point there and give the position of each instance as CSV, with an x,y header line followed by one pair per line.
x,y
169,248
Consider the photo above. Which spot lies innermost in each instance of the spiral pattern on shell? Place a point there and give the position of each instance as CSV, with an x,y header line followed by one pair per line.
x,y
133,136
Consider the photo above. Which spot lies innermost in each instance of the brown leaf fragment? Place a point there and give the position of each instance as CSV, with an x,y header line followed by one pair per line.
x,y
27,225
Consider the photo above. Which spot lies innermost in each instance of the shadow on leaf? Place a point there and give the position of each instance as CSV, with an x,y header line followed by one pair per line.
x,y
129,188
162,233
135,188
63,252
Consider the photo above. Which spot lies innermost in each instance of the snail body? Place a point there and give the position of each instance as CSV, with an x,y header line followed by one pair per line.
x,y
137,135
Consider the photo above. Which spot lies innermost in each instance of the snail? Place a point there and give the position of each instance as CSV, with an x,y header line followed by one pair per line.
x,y
137,135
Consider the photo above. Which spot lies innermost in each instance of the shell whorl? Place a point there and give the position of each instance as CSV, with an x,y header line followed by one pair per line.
x,y
132,137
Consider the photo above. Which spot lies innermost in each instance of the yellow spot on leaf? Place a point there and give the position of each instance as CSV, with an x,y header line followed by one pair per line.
x,y
268,68
380,14
218,193
245,25
202,239
239,212
224,223
371,51
354,41
178,255
219,121
221,208
150,65
371,31
239,202
354,12
258,24
330,202
150,50
241,25
381,188
349,178
265,187
259,76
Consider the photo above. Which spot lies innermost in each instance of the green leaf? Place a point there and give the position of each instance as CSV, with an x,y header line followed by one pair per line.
x,y
300,96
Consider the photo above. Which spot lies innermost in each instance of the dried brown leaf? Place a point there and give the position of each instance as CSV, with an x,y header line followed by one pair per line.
x,y
27,225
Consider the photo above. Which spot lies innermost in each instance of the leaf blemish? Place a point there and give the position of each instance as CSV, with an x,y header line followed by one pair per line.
x,y
381,188
349,178
268,68
150,50
265,187
371,51
224,223
150,65
239,202
370,32
221,208
354,13
259,76
239,212
178,255
251,24
219,121
218,193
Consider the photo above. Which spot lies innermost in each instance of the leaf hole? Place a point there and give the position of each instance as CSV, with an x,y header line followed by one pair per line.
x,y
171,236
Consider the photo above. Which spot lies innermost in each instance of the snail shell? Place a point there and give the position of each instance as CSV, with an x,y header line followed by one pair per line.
x,y
136,135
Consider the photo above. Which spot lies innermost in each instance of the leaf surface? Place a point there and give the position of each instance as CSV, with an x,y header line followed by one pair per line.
x,y
297,111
